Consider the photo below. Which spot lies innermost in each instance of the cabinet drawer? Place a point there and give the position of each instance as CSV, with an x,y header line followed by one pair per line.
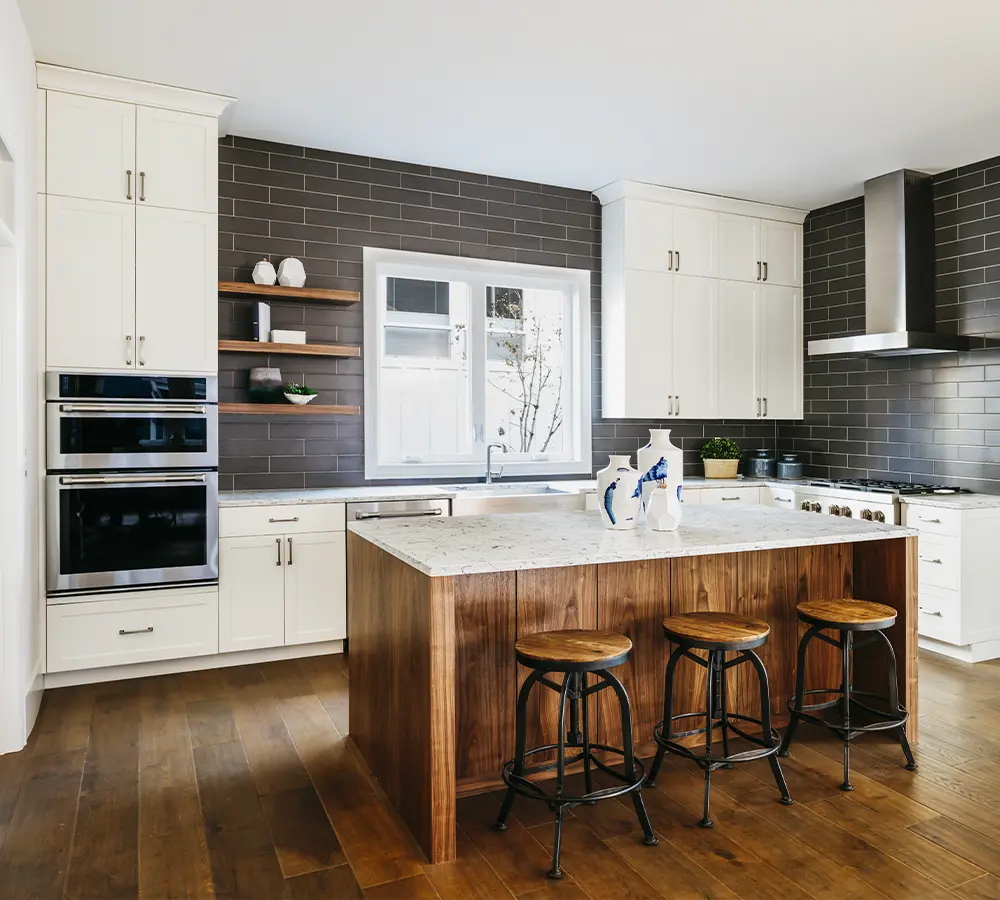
x,y
744,495
931,520
940,615
691,495
249,521
131,628
782,497
939,562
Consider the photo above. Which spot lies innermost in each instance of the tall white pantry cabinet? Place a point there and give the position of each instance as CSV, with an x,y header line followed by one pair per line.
x,y
701,311
129,174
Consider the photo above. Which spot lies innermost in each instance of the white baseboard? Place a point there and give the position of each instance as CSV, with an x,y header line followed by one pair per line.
x,y
192,664
970,653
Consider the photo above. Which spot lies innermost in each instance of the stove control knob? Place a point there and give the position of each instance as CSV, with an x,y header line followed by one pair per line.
x,y
879,516
816,507
834,510
805,505
846,512
866,514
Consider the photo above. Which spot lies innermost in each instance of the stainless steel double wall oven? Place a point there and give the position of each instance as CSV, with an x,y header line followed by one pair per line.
x,y
132,487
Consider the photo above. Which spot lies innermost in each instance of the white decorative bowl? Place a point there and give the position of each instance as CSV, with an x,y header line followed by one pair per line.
x,y
291,272
300,399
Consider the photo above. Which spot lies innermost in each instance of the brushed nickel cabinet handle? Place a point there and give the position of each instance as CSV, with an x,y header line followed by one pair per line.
x,y
142,186
147,630
932,521
758,270
677,265
670,264
782,499
278,542
289,551
670,400
128,184
765,271
730,498
936,562
677,409
758,407
765,405
142,350
128,349
928,612
292,519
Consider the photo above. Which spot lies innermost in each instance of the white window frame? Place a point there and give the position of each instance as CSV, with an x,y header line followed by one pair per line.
x,y
380,263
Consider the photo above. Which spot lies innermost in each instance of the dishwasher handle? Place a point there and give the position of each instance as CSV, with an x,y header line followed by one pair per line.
x,y
404,514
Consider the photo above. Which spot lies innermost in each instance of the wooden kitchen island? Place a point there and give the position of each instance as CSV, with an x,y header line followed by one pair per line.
x,y
434,609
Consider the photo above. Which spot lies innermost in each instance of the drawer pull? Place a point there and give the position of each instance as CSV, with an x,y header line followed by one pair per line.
x,y
936,562
272,520
147,630
782,499
730,498
928,612
932,521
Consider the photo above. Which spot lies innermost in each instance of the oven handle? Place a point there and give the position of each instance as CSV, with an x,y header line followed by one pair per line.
x,y
131,479
128,408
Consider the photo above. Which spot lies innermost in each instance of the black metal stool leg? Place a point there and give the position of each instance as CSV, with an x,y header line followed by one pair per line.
x,y
894,707
588,781
765,715
668,714
706,821
520,730
800,686
555,871
721,692
846,640
626,713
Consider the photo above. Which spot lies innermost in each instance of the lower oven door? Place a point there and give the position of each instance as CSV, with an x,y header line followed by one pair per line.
x,y
134,530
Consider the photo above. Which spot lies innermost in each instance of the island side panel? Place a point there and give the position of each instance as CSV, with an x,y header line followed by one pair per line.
x,y
485,630
402,689
550,599
633,598
886,572
826,572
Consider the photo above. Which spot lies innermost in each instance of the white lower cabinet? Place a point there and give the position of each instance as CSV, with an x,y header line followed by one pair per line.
x,y
281,585
746,496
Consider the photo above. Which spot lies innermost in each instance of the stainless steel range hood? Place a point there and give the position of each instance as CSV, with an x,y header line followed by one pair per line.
x,y
899,273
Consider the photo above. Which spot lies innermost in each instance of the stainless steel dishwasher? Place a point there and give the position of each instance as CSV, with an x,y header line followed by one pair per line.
x,y
397,509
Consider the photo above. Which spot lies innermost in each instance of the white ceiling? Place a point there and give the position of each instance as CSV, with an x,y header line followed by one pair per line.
x,y
783,101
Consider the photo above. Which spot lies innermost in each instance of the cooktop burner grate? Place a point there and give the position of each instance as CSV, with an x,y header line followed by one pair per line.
x,y
879,486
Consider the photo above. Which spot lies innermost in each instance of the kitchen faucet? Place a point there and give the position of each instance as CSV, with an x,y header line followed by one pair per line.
x,y
490,474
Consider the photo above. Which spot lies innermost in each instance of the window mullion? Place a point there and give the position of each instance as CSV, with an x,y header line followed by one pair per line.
x,y
477,361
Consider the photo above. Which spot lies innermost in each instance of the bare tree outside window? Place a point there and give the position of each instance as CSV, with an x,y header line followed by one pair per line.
x,y
525,352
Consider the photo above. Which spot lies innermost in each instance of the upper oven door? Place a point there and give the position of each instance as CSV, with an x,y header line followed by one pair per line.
x,y
132,435
131,530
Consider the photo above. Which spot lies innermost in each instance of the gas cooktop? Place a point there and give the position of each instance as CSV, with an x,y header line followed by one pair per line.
x,y
878,486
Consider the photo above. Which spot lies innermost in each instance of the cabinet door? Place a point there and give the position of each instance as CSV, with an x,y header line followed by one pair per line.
x,y
781,249
737,349
695,362
696,241
648,347
89,284
177,160
747,496
739,247
90,148
649,235
779,328
251,593
176,290
315,587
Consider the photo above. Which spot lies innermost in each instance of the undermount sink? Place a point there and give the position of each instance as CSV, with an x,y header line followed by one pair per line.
x,y
513,497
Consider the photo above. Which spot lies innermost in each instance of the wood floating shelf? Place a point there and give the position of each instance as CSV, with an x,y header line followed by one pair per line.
x,y
288,409
279,292
291,349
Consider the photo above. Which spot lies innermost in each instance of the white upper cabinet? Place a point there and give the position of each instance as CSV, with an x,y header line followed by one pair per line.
x,y
701,311
177,158
781,253
89,284
90,148
739,247
176,290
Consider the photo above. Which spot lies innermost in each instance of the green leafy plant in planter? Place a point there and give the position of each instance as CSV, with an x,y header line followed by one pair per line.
x,y
721,457
299,394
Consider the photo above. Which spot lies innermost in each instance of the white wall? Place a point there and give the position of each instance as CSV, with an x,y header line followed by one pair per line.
x,y
20,478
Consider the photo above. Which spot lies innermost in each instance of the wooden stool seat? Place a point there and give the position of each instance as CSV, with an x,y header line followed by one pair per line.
x,y
573,649
847,614
716,631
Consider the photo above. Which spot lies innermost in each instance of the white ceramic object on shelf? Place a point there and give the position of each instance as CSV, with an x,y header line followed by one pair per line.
x,y
300,399
263,273
660,447
291,272
617,498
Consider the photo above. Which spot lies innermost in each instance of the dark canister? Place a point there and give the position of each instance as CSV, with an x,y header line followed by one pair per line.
x,y
761,464
789,466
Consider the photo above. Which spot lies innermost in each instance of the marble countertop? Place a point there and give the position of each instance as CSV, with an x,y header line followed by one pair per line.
x,y
954,501
474,544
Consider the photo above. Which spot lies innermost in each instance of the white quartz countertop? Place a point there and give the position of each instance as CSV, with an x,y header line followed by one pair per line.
x,y
474,544
954,501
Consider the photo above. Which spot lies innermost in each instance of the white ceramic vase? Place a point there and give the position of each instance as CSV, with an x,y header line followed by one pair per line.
x,y
660,447
663,509
291,272
263,273
616,485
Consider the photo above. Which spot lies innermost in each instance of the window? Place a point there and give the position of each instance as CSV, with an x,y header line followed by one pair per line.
x,y
463,353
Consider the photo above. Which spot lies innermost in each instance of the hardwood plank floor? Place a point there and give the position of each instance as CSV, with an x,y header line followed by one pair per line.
x,y
238,783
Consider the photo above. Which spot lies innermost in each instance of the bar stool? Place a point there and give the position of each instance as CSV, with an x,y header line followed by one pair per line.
x,y
576,654
719,634
848,617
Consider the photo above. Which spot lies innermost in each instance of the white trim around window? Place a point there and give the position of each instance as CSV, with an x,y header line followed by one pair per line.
x,y
435,397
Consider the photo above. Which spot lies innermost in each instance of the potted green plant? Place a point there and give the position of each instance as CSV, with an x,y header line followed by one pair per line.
x,y
721,457
299,394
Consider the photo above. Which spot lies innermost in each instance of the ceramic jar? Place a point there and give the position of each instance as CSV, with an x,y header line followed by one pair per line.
x,y
661,448
291,272
265,385
617,498
663,509
263,273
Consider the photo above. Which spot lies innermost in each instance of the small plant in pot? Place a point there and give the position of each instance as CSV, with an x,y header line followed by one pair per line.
x,y
299,394
721,457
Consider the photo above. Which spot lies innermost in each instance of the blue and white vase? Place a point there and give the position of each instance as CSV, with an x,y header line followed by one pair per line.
x,y
649,457
616,495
